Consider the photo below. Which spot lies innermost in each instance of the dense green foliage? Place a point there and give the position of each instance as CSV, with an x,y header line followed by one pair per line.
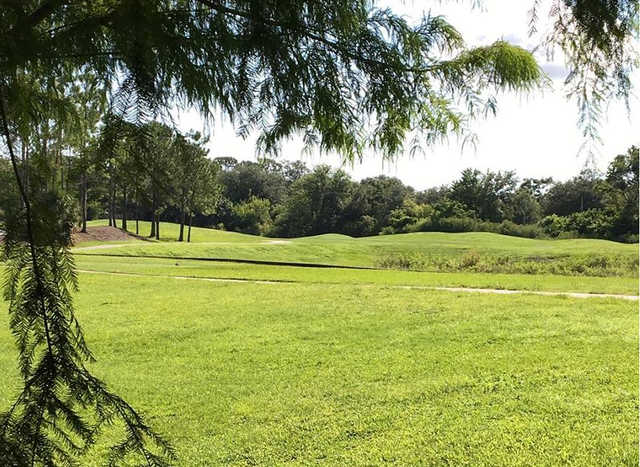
x,y
284,199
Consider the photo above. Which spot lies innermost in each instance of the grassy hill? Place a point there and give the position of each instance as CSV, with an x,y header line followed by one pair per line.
x,y
448,252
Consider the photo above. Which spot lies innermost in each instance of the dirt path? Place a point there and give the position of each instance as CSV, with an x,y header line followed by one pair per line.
x,y
406,287
118,245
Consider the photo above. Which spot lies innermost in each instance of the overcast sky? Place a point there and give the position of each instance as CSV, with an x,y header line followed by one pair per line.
x,y
534,135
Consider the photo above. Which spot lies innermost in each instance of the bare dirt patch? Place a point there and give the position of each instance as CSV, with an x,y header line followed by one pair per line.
x,y
101,234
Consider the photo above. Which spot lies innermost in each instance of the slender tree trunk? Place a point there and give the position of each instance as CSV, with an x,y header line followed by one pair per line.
x,y
153,216
25,163
189,231
183,218
113,207
83,201
137,196
110,207
124,209
158,227
112,201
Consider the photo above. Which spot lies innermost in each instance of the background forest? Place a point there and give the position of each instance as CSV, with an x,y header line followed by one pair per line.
x,y
182,184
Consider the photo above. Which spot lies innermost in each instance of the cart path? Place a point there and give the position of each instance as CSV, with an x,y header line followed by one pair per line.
x,y
406,287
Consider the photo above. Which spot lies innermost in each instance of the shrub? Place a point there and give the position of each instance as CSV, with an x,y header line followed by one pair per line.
x,y
593,222
470,259
388,230
553,225
630,238
252,216
456,224
516,230
409,262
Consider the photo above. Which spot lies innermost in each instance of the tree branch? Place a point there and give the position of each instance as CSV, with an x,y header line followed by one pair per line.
x,y
30,237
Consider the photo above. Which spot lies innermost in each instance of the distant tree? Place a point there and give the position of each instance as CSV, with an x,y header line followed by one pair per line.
x,y
432,195
159,161
523,207
205,193
315,204
226,163
380,196
619,191
536,187
488,195
264,179
447,207
252,216
408,214
294,171
575,195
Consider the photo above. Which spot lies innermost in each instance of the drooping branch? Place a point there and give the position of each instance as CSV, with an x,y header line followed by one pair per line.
x,y
29,226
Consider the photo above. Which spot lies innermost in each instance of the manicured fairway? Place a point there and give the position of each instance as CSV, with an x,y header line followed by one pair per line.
x,y
436,252
342,366
208,269
250,374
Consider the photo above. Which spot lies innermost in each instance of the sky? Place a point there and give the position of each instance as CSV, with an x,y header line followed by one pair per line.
x,y
534,135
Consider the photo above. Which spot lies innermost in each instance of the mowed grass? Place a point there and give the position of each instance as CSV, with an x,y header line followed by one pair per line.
x,y
446,252
272,374
223,270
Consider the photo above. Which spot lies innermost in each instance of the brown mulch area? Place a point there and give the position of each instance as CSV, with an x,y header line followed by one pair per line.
x,y
101,234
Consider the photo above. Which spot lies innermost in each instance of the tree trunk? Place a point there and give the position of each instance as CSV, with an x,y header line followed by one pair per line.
x,y
153,216
189,231
158,227
183,218
124,209
112,201
83,201
137,197
113,207
25,163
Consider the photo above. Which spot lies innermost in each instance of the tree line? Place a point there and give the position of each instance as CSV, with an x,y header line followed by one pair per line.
x,y
290,200
178,182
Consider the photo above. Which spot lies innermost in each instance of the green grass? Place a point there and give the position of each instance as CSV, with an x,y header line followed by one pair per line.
x,y
444,252
250,374
346,367
207,269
